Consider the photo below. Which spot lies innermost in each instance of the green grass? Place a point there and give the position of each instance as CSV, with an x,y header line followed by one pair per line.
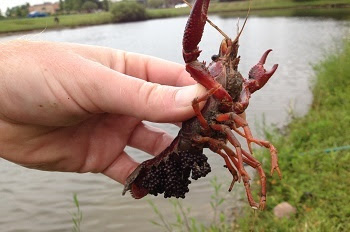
x,y
272,8
316,183
272,4
29,24
185,222
258,7
77,217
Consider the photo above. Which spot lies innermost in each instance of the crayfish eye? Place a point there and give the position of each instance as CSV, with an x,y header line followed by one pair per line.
x,y
214,57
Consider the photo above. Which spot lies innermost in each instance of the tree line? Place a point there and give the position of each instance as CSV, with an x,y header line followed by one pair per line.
x,y
78,6
17,11
68,6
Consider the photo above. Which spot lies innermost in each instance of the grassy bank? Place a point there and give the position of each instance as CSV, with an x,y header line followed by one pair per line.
x,y
30,24
315,182
259,7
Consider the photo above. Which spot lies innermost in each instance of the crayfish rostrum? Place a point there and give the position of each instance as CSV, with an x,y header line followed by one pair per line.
x,y
226,99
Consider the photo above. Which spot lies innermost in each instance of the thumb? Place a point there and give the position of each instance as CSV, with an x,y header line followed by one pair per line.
x,y
161,103
118,93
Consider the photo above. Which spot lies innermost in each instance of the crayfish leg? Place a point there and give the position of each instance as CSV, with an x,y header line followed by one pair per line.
x,y
196,109
250,198
216,146
238,122
243,156
241,122
233,140
254,163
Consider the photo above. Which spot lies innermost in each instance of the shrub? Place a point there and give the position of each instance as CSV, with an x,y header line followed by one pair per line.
x,y
155,3
303,0
128,11
89,6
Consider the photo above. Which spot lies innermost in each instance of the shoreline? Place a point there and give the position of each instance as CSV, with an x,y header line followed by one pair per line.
x,y
23,32
83,20
313,144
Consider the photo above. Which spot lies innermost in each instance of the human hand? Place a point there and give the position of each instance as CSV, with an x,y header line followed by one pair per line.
x,y
74,108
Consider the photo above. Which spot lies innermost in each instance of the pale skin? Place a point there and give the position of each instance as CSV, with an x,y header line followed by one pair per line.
x,y
74,108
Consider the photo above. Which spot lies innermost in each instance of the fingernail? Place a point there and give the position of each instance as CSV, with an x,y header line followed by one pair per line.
x,y
186,94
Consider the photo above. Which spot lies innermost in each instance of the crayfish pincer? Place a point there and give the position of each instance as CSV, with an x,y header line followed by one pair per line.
x,y
227,97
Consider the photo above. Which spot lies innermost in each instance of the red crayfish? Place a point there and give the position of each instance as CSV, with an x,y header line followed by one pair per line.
x,y
226,99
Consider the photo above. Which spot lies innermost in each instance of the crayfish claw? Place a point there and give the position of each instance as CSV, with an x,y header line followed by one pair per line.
x,y
258,76
262,203
194,30
277,169
264,56
272,71
235,178
274,161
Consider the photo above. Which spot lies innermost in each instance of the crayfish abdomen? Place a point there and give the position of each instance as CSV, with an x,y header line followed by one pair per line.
x,y
169,172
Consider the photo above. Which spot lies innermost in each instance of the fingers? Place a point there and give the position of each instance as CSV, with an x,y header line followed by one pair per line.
x,y
149,139
145,67
121,168
77,81
146,138
152,69
116,93
98,88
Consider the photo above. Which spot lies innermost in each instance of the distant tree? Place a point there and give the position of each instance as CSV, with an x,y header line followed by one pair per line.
x,y
105,5
229,0
77,4
1,16
226,0
89,6
171,3
25,10
61,3
18,11
68,5
155,3
8,12
126,11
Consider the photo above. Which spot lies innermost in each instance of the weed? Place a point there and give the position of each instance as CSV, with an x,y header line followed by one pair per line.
x,y
77,217
314,181
184,222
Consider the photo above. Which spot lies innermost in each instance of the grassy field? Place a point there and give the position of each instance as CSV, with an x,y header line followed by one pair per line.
x,y
315,182
259,7
29,24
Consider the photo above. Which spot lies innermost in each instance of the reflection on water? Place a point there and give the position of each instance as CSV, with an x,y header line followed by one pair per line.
x,y
41,201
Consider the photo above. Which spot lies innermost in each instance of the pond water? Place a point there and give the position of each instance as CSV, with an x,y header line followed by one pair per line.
x,y
33,200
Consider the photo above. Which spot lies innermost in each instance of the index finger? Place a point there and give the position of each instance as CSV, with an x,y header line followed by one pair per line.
x,y
153,69
145,67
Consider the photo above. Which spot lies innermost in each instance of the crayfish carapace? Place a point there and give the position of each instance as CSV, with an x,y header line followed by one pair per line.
x,y
226,99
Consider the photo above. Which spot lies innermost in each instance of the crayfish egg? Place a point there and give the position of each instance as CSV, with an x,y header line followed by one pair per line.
x,y
214,57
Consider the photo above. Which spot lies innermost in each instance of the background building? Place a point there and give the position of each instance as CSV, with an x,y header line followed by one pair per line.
x,y
47,7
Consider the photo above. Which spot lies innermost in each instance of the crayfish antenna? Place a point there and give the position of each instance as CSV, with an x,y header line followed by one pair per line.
x,y
245,21
210,22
